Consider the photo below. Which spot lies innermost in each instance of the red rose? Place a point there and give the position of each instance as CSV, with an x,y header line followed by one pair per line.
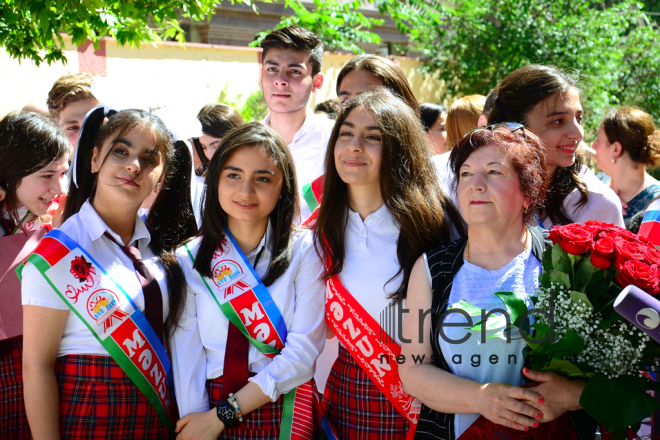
x,y
639,274
602,252
626,250
652,254
80,268
575,238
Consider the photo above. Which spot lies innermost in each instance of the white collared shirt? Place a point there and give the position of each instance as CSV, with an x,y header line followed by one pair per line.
x,y
371,261
86,228
198,345
308,149
603,205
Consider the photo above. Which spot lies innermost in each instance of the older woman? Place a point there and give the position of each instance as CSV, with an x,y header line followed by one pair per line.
x,y
501,183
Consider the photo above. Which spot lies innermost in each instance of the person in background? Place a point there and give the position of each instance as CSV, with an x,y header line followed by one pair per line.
x,y
291,72
329,108
463,116
488,106
366,72
547,102
434,118
376,219
217,120
69,100
34,159
626,145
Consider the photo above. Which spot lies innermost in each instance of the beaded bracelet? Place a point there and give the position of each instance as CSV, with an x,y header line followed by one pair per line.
x,y
234,403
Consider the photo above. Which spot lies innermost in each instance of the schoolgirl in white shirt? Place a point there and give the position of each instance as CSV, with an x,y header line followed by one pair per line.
x,y
547,102
232,378
79,385
382,207
34,158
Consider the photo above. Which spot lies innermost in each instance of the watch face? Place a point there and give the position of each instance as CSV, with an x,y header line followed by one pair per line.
x,y
226,413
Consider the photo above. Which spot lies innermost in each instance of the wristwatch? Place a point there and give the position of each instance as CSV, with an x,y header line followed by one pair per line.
x,y
226,413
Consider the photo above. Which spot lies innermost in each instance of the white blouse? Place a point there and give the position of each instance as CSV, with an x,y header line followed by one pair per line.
x,y
198,345
87,228
370,261
603,205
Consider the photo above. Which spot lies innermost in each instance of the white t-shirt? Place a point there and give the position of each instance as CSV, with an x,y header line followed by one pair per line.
x,y
198,345
308,149
477,286
86,228
603,205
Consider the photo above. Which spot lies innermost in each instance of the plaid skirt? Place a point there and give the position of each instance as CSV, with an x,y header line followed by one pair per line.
x,y
13,422
262,423
356,408
98,401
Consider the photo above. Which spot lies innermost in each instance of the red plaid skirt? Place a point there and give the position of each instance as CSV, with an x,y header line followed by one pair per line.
x,y
98,401
261,424
13,422
356,408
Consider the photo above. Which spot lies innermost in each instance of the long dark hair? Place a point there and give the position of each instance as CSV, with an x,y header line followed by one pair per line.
x,y
408,185
516,96
28,143
170,219
253,134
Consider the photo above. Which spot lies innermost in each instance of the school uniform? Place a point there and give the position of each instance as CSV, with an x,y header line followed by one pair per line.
x,y
97,398
13,421
201,340
353,404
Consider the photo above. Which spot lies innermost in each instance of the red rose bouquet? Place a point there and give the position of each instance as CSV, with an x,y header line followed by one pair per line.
x,y
577,332
582,334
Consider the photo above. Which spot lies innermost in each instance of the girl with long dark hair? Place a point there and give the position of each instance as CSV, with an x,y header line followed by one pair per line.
x,y
34,159
100,295
547,102
253,323
382,208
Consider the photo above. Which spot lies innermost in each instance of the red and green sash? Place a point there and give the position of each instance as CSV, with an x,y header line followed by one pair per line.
x,y
312,193
245,301
110,314
359,332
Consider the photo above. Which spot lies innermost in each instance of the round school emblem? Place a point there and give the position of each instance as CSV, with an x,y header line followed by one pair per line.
x,y
227,274
103,306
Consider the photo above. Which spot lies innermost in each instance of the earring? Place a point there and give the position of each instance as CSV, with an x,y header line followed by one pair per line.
x,y
93,172
613,160
280,195
525,209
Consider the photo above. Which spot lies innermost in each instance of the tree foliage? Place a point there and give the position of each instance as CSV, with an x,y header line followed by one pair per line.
x,y
338,24
473,44
31,29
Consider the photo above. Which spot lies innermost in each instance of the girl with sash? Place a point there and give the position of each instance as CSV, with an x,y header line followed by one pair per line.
x,y
34,159
253,324
382,208
95,292
547,102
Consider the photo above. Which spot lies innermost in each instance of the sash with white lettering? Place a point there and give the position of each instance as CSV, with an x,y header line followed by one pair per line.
x,y
111,316
359,332
245,301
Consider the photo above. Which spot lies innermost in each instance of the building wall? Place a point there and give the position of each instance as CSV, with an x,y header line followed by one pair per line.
x,y
181,77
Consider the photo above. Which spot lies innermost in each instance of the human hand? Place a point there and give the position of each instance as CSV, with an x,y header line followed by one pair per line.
x,y
559,394
203,425
509,406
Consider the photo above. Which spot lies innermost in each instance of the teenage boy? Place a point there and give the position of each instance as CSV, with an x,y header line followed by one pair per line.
x,y
291,71
69,101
